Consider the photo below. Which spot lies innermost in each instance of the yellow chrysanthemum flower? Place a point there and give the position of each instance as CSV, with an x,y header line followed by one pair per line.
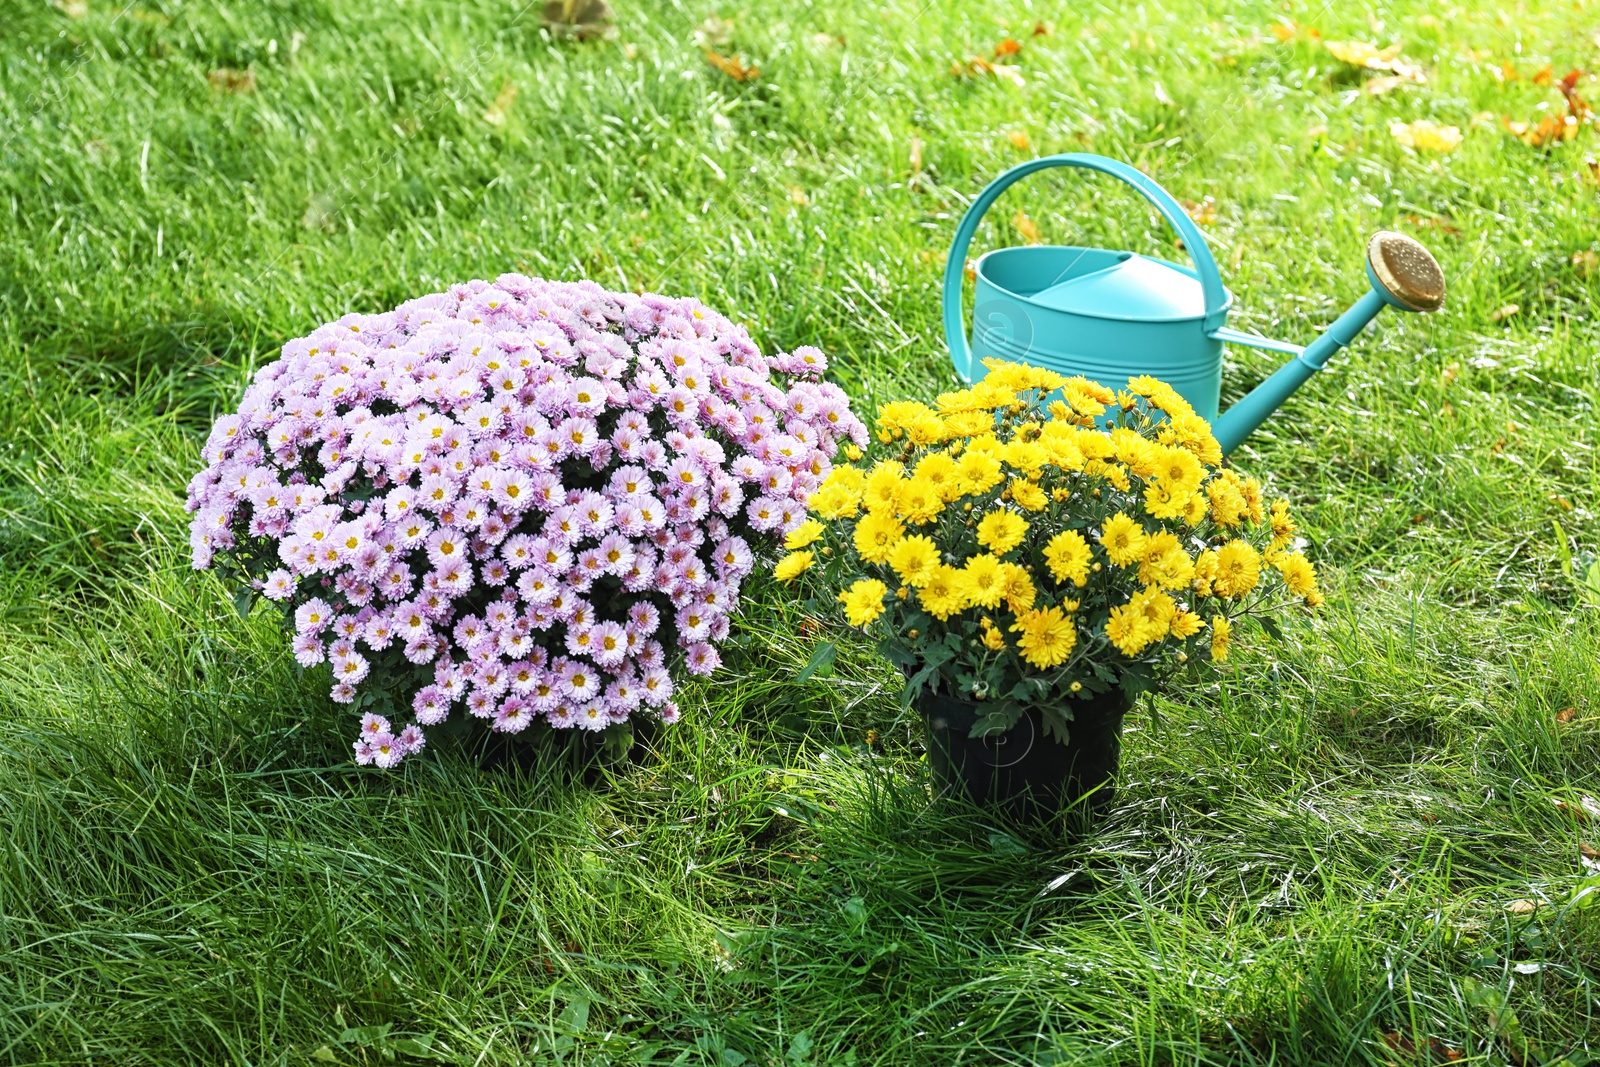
x,y
967,423
876,536
1227,503
863,601
1016,587
915,559
1123,539
1047,637
839,495
791,566
1129,630
1027,494
1283,525
937,469
1221,638
804,534
1141,456
1298,574
1026,456
981,582
1179,471
1164,502
942,596
1238,569
1068,556
1192,433
1165,563
1001,531
993,639
977,472
1158,609
1186,624
920,501
1081,400
900,415
928,430
881,494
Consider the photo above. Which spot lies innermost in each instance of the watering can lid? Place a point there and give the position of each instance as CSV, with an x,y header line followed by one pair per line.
x,y
1135,287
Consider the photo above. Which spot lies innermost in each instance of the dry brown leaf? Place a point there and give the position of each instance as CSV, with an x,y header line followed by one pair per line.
x,y
1566,714
579,20
1444,226
1504,312
1569,91
1588,851
914,156
1008,47
976,65
1587,261
1285,31
1027,228
1384,83
1371,57
497,113
1583,811
229,80
1545,76
1592,165
1426,134
1203,212
798,196
1019,140
1040,30
1506,72
1565,505
1552,129
1523,907
733,66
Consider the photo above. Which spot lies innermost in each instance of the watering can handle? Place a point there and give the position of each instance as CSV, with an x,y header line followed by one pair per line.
x,y
955,329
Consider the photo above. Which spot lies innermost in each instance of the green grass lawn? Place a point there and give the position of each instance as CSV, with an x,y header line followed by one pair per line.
x,y
1317,850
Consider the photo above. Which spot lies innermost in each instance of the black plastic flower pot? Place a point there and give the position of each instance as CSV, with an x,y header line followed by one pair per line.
x,y
1023,771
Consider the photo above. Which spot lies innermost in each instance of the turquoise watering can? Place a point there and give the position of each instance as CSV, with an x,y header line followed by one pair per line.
x,y
1109,315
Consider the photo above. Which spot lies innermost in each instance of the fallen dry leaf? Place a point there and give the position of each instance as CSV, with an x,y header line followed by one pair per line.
x,y
798,196
1545,76
915,155
1444,226
1440,1052
1027,228
1592,165
1019,140
579,20
1566,714
1203,212
1384,83
1583,811
977,65
1040,30
229,80
1523,907
1501,314
497,113
733,66
1426,134
1588,851
1008,47
1371,57
1552,129
1285,31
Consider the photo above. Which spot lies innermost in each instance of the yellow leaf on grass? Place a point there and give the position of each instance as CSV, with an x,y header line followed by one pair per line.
x,y
1552,129
1501,314
1523,907
733,66
1371,57
1027,228
1427,135
1019,140
497,113
914,157
229,80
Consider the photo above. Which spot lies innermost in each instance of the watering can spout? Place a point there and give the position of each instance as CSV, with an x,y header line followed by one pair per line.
x,y
1403,275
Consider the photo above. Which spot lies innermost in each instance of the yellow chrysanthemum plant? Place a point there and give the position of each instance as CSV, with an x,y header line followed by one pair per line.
x,y
1036,540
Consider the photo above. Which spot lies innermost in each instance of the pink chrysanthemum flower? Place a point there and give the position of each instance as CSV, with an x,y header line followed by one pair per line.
x,y
529,487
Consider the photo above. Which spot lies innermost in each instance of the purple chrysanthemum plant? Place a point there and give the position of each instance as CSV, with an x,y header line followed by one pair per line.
x,y
523,502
